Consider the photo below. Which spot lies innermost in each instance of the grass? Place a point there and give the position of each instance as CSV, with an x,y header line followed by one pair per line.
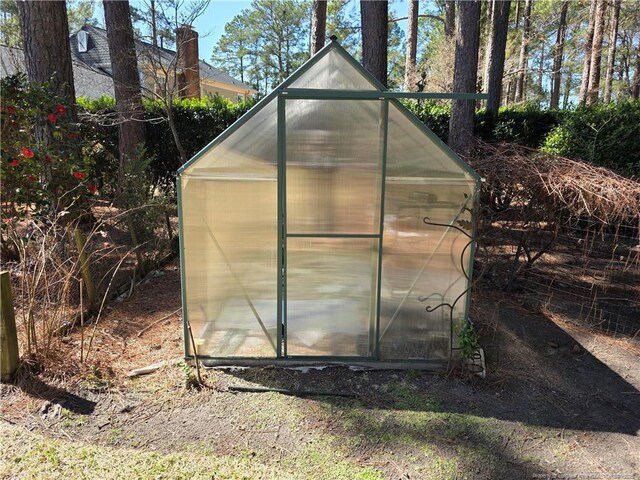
x,y
28,455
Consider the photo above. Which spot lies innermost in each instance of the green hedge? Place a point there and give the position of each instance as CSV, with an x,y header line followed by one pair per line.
x,y
607,135
197,121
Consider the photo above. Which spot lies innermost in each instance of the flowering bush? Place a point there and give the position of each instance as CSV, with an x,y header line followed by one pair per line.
x,y
45,162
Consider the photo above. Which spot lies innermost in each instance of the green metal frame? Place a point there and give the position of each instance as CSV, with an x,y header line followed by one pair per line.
x,y
282,228
310,94
183,284
280,94
385,137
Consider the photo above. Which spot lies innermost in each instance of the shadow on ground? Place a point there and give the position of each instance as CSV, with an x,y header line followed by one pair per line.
x,y
541,377
35,387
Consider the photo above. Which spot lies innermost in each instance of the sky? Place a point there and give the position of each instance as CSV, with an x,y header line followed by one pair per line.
x,y
210,25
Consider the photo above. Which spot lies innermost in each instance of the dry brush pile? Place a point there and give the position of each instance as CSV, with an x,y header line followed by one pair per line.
x,y
565,230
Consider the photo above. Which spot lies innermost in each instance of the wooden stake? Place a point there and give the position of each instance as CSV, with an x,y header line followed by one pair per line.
x,y
9,355
84,268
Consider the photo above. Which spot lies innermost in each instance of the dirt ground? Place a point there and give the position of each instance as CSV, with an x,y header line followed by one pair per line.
x,y
558,402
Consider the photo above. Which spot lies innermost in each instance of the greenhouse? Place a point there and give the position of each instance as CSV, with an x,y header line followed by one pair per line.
x,y
328,224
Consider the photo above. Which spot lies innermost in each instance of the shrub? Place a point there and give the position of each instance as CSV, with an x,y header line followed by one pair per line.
x,y
45,160
526,125
198,121
434,115
606,135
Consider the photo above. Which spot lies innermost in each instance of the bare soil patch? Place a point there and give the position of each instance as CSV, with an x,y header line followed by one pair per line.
x,y
558,399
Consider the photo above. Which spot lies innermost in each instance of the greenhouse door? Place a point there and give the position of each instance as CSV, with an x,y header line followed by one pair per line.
x,y
331,227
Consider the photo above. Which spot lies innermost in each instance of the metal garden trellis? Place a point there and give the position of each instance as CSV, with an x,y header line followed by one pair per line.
x,y
315,228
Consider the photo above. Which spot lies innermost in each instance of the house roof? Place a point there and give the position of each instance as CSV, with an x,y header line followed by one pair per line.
x,y
92,73
97,56
88,82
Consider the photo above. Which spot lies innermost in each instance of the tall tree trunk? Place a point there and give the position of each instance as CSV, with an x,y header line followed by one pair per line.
x,y
596,53
449,19
375,34
412,47
625,52
490,9
541,72
126,81
45,36
318,25
611,58
524,53
557,56
567,89
588,43
465,76
500,27
517,14
635,93
154,28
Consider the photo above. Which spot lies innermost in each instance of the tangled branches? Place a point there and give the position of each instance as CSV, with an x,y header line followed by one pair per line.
x,y
553,188
530,200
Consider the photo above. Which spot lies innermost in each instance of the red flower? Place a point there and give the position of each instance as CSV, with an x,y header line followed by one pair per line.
x,y
6,220
32,178
79,175
27,153
92,188
47,158
11,110
52,117
73,136
15,162
60,109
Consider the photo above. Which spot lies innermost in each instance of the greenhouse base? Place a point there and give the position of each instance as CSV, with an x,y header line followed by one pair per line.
x,y
430,365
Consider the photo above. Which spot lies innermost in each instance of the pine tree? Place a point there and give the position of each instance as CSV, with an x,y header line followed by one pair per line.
x,y
465,76
318,25
374,18
126,81
557,56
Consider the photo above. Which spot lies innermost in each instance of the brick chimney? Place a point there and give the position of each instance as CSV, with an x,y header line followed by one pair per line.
x,y
188,62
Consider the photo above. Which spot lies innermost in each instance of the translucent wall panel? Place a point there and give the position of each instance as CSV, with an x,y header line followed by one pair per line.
x,y
249,150
333,166
331,289
421,266
333,71
412,153
230,257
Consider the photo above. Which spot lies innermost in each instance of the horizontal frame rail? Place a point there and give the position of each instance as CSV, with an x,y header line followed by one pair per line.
x,y
333,235
310,94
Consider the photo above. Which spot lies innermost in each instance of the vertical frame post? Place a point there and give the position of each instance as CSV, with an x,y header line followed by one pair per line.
x,y
472,249
383,182
282,226
183,285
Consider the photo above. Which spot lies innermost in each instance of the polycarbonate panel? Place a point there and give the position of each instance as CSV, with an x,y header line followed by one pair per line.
x,y
249,150
230,258
331,292
333,71
333,166
422,266
412,153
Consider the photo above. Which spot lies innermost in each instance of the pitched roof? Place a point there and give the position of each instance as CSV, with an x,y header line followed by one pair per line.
x,y
97,55
88,82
